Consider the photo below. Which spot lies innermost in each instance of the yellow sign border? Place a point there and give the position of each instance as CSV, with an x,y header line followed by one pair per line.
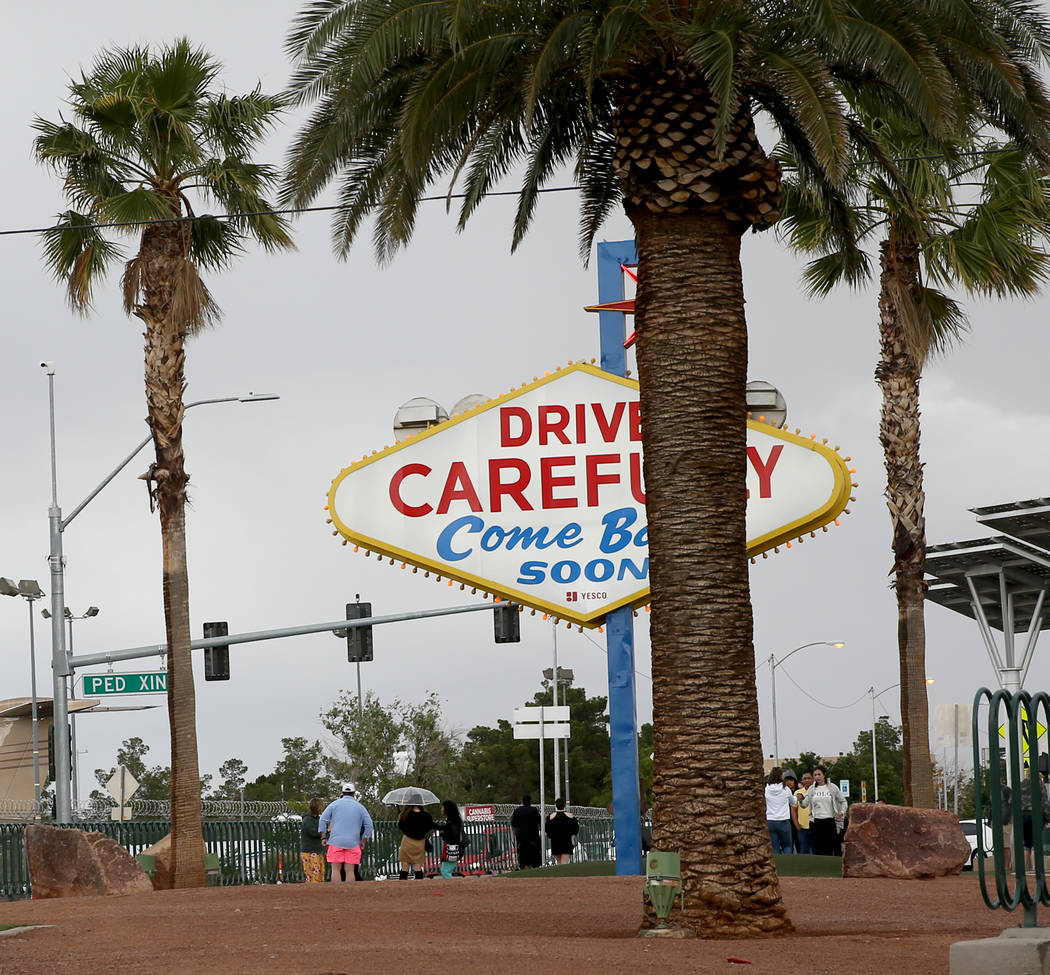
x,y
819,517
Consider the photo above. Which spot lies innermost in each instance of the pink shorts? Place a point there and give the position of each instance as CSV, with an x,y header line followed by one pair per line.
x,y
338,854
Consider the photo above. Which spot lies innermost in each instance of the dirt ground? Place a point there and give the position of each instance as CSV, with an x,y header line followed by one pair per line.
x,y
485,925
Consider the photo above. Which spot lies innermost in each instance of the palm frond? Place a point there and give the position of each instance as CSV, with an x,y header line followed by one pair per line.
x,y
192,307
215,243
600,191
78,255
947,322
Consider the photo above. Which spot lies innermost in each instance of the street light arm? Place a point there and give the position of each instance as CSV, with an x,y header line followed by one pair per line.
x,y
250,398
815,643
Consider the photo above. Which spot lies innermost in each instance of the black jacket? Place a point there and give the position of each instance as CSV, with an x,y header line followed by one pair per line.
x,y
526,822
416,824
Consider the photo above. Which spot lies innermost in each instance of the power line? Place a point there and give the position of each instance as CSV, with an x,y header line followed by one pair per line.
x,y
294,211
239,215
817,700
606,652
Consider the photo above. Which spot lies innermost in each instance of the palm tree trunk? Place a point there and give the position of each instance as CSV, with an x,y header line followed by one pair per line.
x,y
162,251
898,375
692,364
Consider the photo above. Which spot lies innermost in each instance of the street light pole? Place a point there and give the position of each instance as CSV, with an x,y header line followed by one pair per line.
x,y
60,666
874,749
35,719
773,664
59,655
74,760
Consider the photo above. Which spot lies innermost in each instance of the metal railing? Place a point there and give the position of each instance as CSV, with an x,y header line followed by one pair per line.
x,y
254,852
1017,718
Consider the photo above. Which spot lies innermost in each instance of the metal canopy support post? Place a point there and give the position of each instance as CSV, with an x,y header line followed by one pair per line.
x,y
619,624
984,627
1010,670
1033,635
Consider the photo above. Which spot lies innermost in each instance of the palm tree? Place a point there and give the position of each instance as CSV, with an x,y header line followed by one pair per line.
x,y
968,216
149,130
654,105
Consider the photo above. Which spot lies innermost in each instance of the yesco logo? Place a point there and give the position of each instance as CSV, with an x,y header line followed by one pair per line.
x,y
538,496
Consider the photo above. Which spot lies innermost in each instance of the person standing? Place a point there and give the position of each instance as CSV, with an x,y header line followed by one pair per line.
x,y
1008,818
348,828
779,800
452,838
801,815
311,845
525,822
415,823
827,804
791,783
1027,825
560,828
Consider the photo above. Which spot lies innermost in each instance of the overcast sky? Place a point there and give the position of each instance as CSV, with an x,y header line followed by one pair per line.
x,y
344,344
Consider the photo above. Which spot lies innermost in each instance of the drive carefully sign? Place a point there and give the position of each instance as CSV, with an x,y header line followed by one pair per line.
x,y
538,497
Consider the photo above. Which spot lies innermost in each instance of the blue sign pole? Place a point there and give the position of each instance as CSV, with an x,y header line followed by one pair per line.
x,y
619,624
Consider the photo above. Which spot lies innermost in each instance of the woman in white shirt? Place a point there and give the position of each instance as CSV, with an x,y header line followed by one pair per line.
x,y
779,800
827,804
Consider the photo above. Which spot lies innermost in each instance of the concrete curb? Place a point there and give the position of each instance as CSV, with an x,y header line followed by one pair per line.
x,y
1019,951
7,932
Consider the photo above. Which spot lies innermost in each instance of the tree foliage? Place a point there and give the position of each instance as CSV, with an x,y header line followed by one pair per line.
x,y
232,774
967,214
154,780
147,137
856,764
382,746
495,767
654,106
303,772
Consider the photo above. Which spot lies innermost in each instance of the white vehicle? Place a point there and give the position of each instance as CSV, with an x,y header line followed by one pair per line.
x,y
969,828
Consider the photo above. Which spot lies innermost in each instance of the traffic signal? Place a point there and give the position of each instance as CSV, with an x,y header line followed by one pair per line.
x,y
358,638
51,750
505,623
216,659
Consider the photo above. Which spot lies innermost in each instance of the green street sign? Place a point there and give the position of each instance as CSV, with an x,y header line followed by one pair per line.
x,y
98,685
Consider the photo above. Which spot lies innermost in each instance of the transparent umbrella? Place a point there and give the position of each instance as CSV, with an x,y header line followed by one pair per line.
x,y
410,796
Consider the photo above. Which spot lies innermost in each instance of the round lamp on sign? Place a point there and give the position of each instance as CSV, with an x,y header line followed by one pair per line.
x,y
469,402
417,415
765,403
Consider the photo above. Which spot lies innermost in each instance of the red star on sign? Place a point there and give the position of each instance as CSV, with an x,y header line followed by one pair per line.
x,y
626,306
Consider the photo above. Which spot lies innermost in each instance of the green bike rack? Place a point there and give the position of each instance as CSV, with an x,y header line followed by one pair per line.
x,y
1020,715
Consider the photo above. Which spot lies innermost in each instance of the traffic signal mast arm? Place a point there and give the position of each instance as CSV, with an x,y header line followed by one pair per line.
x,y
136,653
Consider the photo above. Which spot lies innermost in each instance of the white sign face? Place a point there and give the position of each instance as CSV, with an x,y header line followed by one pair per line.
x,y
533,731
537,713
844,787
122,785
538,496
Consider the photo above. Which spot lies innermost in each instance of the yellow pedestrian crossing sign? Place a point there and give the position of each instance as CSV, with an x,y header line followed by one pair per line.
x,y
1040,730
